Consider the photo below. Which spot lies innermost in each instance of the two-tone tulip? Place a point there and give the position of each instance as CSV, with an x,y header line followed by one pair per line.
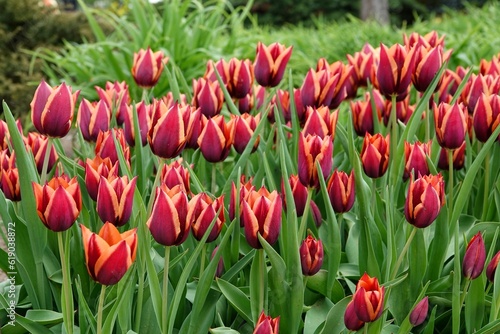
x,y
244,125
284,102
92,118
270,63
208,96
245,188
449,83
341,191
9,183
216,138
490,67
375,155
117,97
267,325
476,86
115,199
394,71
403,110
109,254
196,126
321,122
236,74
419,312
299,193
346,86
431,39
474,257
450,122
144,114
313,149
428,61
492,267
94,169
486,116
319,88
168,222
38,144
52,109
4,134
147,67
311,256
252,101
175,174
105,145
416,159
261,214
363,114
458,158
368,300
362,63
58,202
202,210
424,200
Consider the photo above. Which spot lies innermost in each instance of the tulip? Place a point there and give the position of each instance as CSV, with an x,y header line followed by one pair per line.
x,y
375,155
362,63
9,183
346,86
419,312
252,101
92,118
245,188
458,158
220,265
216,138
52,109
416,159
424,200
144,114
282,101
451,125
38,144
109,254
244,126
168,222
394,71
261,214
490,67
7,159
94,169
368,300
351,320
105,145
4,134
403,110
474,257
427,64
486,116
202,210
319,88
267,325
116,96
476,86
492,267
115,199
299,192
208,96
147,67
362,112
270,63
169,133
341,191
430,39
316,214
314,149
311,256
196,126
449,83
175,174
237,75
58,202
320,122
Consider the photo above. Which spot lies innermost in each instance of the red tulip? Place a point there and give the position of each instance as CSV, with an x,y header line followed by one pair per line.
x,y
94,169
474,257
319,88
52,109
486,116
476,86
168,222
92,118
245,188
458,158
270,63
196,126
267,325
416,159
347,84
341,191
362,113
351,320
109,254
424,200
244,126
202,210
252,101
403,110
314,149
368,300
58,202
451,125
449,83
38,144
282,101
115,199
237,75
492,267
419,313
216,138
208,96
9,183
261,214
175,174
375,155
430,39
147,67
311,256
490,67
362,63
427,64
299,192
117,98
320,122
144,114
105,145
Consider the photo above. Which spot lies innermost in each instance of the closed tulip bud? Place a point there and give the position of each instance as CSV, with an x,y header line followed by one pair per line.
x,y
109,254
175,174
202,210
427,64
92,118
311,256
144,114
116,96
105,145
7,159
424,200
261,214
395,70
351,320
208,96
362,63
168,222
115,199
245,188
267,325
419,313
38,145
486,116
58,202
94,169
216,138
451,125
52,109
368,299
147,67
416,159
362,112
341,191
299,192
474,257
458,158
320,122
9,183
314,149
244,126
270,63
375,155
318,88
492,267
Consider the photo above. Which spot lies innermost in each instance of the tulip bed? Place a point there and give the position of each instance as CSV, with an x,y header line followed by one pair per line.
x,y
365,199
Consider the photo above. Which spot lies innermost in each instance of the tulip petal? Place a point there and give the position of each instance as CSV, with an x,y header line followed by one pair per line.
x,y
113,263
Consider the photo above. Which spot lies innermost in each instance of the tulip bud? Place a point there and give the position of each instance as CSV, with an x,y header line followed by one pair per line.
x,y
109,254
492,267
375,155
458,158
318,88
9,183
314,149
428,61
299,192
245,188
220,265
252,101
237,75
38,145
341,191
368,300
115,199
175,174
105,145
351,320
416,159
216,138
202,210
116,96
144,114
424,200
346,86
94,169
52,109
311,256
474,257
244,126
486,116
267,325
419,313
208,96
92,118
320,122
362,63
147,67
362,112
58,202
270,63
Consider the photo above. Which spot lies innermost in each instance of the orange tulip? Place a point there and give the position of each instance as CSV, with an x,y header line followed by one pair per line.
x,y
314,149
368,300
375,155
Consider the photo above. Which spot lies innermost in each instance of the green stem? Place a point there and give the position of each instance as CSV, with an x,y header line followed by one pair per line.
x,y
450,182
394,132
164,307
262,271
100,309
486,185
403,252
140,297
202,259
46,159
303,221
67,295
464,293
341,223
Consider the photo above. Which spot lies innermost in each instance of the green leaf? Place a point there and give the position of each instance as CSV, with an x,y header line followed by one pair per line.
x,y
223,330
335,318
258,285
237,299
475,304
316,315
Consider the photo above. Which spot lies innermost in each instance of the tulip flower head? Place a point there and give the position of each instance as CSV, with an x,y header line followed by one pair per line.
x,y
319,88
38,145
144,114
92,118
244,125
362,63
351,320
147,67
311,256
109,254
270,63
375,155
94,169
216,138
202,210
299,192
117,97
416,159
474,257
312,149
175,174
362,112
458,158
486,116
320,122
245,188
368,300
267,325
341,191
237,75
451,125
105,145
115,199
424,200
492,267
419,312
9,183
208,96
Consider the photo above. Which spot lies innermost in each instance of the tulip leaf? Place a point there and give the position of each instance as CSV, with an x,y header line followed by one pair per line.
x,y
227,97
491,328
335,319
495,305
154,286
258,285
23,325
475,304
85,315
405,324
237,299
223,330
316,315
319,283
109,323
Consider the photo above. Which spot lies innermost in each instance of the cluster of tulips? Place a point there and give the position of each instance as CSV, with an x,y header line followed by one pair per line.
x,y
390,90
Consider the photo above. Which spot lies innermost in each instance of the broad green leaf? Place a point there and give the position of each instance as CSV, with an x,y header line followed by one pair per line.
x,y
316,315
335,318
475,304
223,330
237,299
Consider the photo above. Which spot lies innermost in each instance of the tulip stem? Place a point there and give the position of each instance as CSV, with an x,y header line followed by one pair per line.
x,y
450,182
464,293
486,186
403,252
202,258
100,308
394,131
46,159
67,295
303,221
164,309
